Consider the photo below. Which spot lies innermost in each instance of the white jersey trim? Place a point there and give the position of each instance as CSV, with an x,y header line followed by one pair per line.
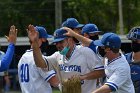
x,y
0,63
99,68
51,74
112,84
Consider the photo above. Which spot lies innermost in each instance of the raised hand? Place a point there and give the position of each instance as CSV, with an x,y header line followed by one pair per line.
x,y
70,32
32,33
12,38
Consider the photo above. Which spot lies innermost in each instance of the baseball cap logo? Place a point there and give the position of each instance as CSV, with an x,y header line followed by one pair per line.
x,y
107,43
55,34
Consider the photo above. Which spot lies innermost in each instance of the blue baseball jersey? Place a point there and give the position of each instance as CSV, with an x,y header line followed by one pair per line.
x,y
135,71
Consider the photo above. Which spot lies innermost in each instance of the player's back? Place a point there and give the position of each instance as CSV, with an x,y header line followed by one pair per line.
x,y
29,77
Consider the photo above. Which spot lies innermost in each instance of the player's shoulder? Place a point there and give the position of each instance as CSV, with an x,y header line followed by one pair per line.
x,y
28,55
54,55
122,64
85,50
57,53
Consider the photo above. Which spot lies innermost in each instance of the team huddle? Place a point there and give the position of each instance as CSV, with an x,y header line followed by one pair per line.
x,y
99,64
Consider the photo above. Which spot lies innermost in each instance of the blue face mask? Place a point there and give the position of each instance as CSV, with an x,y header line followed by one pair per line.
x,y
65,51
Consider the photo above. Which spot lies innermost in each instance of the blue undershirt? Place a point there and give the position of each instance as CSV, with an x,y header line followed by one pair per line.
x,y
7,58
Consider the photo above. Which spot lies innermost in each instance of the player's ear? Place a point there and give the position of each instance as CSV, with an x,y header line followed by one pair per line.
x,y
107,49
86,35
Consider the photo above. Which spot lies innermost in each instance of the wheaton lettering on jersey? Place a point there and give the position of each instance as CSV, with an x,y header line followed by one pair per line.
x,y
70,68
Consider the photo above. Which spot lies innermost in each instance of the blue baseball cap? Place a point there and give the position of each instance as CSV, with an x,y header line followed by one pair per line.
x,y
42,32
111,40
90,28
72,23
59,35
64,24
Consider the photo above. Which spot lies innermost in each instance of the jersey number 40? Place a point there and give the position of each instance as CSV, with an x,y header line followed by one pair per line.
x,y
24,73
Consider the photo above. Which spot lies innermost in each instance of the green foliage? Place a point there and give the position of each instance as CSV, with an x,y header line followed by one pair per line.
x,y
104,13
22,13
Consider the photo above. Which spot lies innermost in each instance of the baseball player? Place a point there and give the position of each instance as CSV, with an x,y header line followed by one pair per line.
x,y
90,33
74,25
134,57
72,60
31,78
117,69
7,58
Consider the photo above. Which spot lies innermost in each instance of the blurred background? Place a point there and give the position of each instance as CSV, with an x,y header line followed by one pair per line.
x,y
117,16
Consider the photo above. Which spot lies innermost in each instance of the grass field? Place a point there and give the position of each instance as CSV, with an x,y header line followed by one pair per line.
x,y
56,91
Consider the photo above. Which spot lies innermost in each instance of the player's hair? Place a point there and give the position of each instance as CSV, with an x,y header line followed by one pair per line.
x,y
115,50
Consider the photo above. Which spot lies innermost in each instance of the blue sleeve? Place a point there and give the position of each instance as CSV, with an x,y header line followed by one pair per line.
x,y
7,58
93,47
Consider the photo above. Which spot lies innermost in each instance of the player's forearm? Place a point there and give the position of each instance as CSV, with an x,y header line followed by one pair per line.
x,y
54,81
7,59
93,75
103,89
39,61
83,39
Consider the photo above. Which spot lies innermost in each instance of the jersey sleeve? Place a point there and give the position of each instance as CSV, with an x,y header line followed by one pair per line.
x,y
93,61
117,79
7,58
93,47
45,73
51,61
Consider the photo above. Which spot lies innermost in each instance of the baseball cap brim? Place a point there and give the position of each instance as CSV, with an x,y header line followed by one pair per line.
x,y
49,36
79,26
57,40
98,43
92,32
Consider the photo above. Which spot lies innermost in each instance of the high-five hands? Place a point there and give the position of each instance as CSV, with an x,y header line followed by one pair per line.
x,y
12,38
32,33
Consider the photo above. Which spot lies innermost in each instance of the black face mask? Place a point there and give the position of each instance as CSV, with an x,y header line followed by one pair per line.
x,y
96,37
101,51
135,46
75,40
44,45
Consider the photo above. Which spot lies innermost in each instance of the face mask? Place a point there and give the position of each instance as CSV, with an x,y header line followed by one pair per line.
x,y
96,37
65,51
44,45
101,51
135,46
75,40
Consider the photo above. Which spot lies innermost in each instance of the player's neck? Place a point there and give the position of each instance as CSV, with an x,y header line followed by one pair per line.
x,y
113,56
136,56
69,54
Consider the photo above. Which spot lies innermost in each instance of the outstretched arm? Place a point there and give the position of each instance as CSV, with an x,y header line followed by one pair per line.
x,y
34,38
93,75
103,89
7,59
84,40
39,61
